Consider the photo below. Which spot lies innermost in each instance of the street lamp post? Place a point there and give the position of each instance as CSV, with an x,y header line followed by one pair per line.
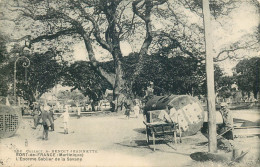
x,y
25,64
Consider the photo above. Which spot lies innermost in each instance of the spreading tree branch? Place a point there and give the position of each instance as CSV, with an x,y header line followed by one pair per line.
x,y
96,32
53,36
232,50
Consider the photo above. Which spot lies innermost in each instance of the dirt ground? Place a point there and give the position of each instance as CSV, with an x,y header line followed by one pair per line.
x,y
107,140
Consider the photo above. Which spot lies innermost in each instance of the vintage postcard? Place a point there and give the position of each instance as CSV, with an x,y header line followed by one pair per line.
x,y
129,83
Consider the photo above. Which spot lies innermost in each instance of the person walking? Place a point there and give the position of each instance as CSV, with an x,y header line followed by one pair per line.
x,y
66,117
52,119
46,121
127,106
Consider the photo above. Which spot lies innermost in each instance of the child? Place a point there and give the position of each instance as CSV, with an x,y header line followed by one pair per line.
x,y
66,117
78,111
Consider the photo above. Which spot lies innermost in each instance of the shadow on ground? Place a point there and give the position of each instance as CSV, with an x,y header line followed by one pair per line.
x,y
141,144
140,130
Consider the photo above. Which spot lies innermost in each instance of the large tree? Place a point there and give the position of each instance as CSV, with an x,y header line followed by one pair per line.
x,y
103,21
248,75
105,24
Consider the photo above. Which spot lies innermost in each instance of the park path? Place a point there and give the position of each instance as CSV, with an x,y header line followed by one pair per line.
x,y
117,141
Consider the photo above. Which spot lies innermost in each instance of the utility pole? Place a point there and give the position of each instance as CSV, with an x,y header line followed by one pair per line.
x,y
210,79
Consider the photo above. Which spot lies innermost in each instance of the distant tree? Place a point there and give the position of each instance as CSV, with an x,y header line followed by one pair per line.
x,y
62,95
3,68
81,75
76,96
43,74
3,51
222,83
71,96
248,75
224,86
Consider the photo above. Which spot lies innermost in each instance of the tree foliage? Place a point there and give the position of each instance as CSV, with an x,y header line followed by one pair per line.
x,y
248,75
104,25
4,72
224,86
43,74
73,97
81,75
174,75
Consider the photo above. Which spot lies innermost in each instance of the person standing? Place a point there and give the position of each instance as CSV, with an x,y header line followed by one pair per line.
x,y
150,90
66,117
136,108
149,93
46,121
36,114
78,111
227,127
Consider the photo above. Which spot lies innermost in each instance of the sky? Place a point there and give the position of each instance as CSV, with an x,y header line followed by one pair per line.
x,y
243,20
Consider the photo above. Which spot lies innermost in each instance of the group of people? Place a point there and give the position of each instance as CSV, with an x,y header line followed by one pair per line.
x,y
44,114
135,106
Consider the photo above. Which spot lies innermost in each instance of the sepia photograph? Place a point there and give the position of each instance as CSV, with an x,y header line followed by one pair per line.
x,y
130,83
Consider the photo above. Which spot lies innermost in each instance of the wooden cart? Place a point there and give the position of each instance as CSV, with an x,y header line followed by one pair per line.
x,y
157,128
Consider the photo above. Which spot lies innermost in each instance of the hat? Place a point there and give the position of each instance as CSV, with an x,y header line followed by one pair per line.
x,y
223,104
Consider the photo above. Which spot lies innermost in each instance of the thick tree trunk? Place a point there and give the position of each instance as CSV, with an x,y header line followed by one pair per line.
x,y
116,80
113,40
118,86
110,77
93,61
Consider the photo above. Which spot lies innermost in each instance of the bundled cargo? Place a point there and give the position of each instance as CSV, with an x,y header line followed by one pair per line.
x,y
184,110
10,119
